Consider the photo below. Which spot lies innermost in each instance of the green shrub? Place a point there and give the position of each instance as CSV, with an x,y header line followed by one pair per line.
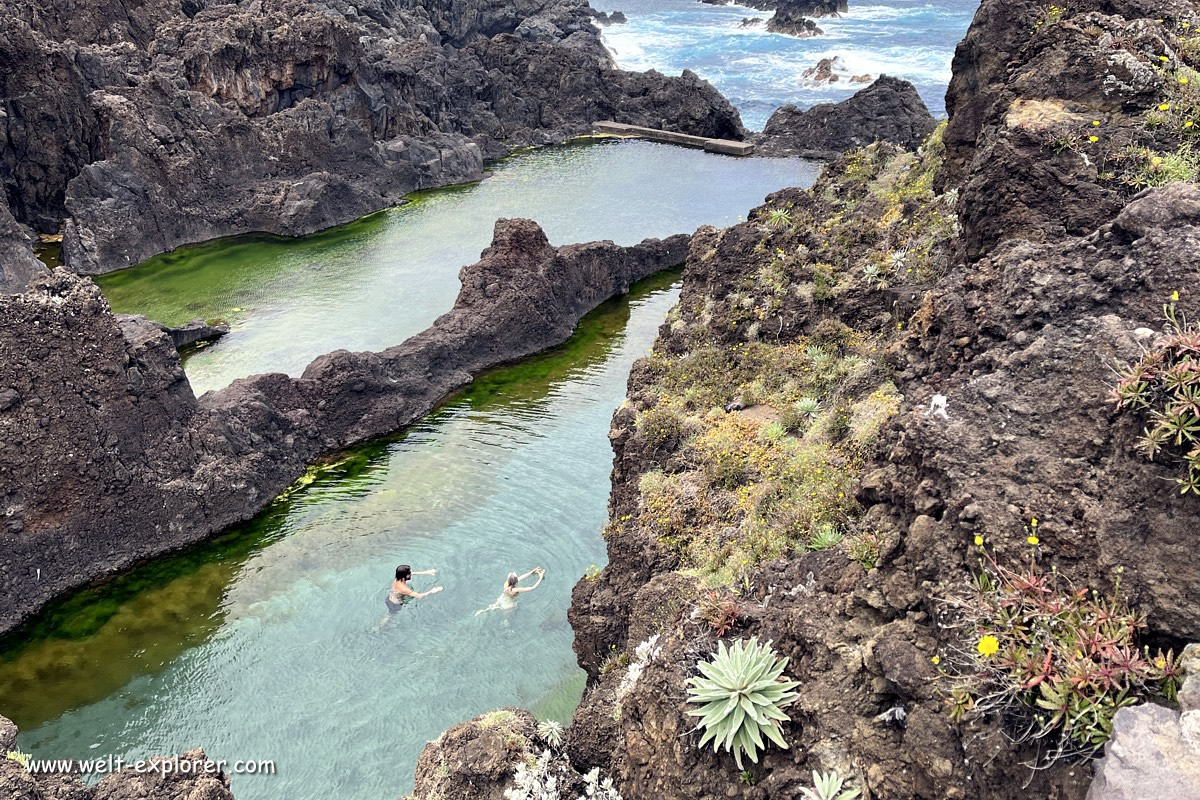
x,y
724,456
19,757
496,719
660,426
865,548
1165,386
1145,168
741,696
773,432
1055,660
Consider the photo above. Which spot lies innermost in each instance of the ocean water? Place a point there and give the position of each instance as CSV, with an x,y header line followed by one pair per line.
x,y
760,71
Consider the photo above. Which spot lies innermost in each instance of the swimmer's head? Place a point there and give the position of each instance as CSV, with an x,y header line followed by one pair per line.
x,y
403,572
512,579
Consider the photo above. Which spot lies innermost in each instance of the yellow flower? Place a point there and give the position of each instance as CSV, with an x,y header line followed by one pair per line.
x,y
1164,58
936,660
1175,296
1183,81
979,541
1095,123
988,646
1033,540
1188,124
1093,139
1034,522
1164,107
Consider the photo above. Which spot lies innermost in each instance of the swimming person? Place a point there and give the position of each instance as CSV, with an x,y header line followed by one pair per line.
x,y
508,597
401,591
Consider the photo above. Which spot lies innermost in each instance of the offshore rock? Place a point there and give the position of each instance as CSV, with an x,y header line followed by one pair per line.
x,y
792,22
888,110
183,123
110,459
811,8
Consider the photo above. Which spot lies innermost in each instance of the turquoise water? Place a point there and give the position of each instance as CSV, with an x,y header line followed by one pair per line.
x,y
272,644
760,71
374,283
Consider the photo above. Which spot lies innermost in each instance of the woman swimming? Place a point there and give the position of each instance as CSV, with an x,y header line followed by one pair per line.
x,y
508,597
401,591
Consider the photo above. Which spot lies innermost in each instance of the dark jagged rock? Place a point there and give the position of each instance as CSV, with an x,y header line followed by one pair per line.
x,y
194,332
615,18
792,22
110,459
201,781
18,265
810,8
888,110
149,130
483,751
831,70
999,343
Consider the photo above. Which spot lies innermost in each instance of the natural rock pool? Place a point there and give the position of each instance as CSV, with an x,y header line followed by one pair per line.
x,y
270,643
374,283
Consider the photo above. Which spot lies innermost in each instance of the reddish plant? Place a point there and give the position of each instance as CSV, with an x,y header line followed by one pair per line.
x,y
720,610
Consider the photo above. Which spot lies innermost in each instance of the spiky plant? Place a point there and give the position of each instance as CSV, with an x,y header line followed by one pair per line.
x,y
19,757
808,407
551,732
741,696
825,537
779,218
1165,385
828,786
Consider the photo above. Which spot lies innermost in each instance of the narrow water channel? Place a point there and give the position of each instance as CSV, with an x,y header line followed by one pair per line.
x,y
273,642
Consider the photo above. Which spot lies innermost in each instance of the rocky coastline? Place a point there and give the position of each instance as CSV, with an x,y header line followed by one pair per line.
x,y
888,110
127,464
948,318
872,394
136,133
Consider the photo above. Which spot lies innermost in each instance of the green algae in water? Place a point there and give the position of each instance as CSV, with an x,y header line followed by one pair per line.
x,y
148,662
371,284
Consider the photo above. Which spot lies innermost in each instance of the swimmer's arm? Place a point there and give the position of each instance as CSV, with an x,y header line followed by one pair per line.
x,y
426,572
405,590
530,588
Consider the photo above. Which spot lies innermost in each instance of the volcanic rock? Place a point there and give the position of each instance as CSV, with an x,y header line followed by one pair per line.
x,y
181,123
888,110
792,22
110,459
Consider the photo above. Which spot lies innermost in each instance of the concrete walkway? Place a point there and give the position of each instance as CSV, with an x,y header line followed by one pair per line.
x,y
726,146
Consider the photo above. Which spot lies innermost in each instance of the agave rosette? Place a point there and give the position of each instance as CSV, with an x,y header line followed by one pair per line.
x,y
741,694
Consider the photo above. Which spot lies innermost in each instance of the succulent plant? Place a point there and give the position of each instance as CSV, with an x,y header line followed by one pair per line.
x,y
741,695
551,732
828,786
